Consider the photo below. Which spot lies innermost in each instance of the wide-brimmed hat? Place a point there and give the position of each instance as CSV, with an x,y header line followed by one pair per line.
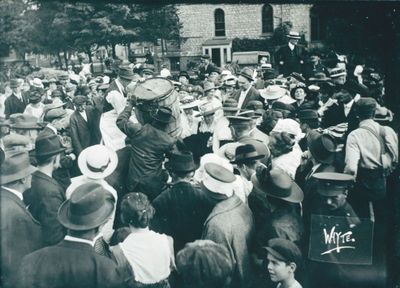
x,y
12,140
272,92
164,115
218,179
181,161
321,146
126,73
37,83
14,83
47,146
293,35
97,161
207,109
87,208
16,166
24,121
276,183
290,126
246,153
247,73
333,183
55,113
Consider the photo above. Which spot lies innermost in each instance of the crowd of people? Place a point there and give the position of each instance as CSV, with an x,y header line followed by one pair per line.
x,y
149,180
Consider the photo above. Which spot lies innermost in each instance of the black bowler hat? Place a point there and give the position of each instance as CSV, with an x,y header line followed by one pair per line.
x,y
321,146
333,183
163,115
245,153
48,145
181,161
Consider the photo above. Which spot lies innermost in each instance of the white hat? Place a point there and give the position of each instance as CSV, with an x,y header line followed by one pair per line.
x,y
218,179
97,161
36,82
290,126
272,92
165,73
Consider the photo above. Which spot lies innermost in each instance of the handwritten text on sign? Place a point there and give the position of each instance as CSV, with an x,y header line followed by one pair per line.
x,y
334,240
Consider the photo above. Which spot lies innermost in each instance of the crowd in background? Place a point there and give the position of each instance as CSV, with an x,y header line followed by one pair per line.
x,y
148,179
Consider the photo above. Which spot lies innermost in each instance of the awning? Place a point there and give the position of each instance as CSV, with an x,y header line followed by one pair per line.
x,y
217,42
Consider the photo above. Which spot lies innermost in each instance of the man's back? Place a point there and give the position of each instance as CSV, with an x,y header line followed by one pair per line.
x,y
68,264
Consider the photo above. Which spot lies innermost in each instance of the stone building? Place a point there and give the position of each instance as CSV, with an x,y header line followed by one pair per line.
x,y
210,28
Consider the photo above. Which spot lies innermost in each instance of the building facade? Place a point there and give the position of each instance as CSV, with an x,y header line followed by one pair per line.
x,y
210,28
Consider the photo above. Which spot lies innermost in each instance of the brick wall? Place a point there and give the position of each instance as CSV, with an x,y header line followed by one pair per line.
x,y
241,20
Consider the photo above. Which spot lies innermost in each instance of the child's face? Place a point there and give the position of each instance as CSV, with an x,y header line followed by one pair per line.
x,y
277,269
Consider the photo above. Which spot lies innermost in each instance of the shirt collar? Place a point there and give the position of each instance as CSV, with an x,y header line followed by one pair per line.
x,y
15,192
291,46
80,240
348,105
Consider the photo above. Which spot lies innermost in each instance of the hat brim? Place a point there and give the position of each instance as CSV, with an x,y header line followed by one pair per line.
x,y
296,194
247,159
26,126
293,37
17,176
82,164
170,167
207,113
246,76
48,154
93,220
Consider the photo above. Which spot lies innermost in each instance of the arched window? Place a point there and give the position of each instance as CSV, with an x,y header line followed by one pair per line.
x,y
267,19
219,17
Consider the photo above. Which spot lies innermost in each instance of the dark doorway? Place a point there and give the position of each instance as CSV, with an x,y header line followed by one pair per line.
x,y
216,56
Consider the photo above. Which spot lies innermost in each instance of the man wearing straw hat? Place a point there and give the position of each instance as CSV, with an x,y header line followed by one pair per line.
x,y
291,56
20,233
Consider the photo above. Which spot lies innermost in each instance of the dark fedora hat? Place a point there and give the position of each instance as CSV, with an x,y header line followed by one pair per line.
x,y
87,208
16,166
126,73
246,153
47,145
276,183
247,73
321,146
163,115
181,161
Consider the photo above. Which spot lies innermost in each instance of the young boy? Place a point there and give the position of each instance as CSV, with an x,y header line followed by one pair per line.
x,y
283,259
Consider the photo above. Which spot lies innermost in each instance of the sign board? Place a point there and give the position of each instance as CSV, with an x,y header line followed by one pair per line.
x,y
338,240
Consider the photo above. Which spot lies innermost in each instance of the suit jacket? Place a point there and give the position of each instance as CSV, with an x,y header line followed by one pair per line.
x,y
20,235
148,148
84,133
231,224
185,222
253,94
68,264
335,115
203,71
14,105
292,59
44,198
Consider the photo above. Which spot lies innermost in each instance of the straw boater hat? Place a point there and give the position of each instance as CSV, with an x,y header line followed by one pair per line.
x,y
337,72
218,179
97,161
293,35
276,183
37,83
16,166
272,92
87,208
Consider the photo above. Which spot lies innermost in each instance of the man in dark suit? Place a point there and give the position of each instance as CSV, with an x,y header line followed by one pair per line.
x,y
46,194
206,67
16,102
73,262
291,56
84,125
247,92
20,232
